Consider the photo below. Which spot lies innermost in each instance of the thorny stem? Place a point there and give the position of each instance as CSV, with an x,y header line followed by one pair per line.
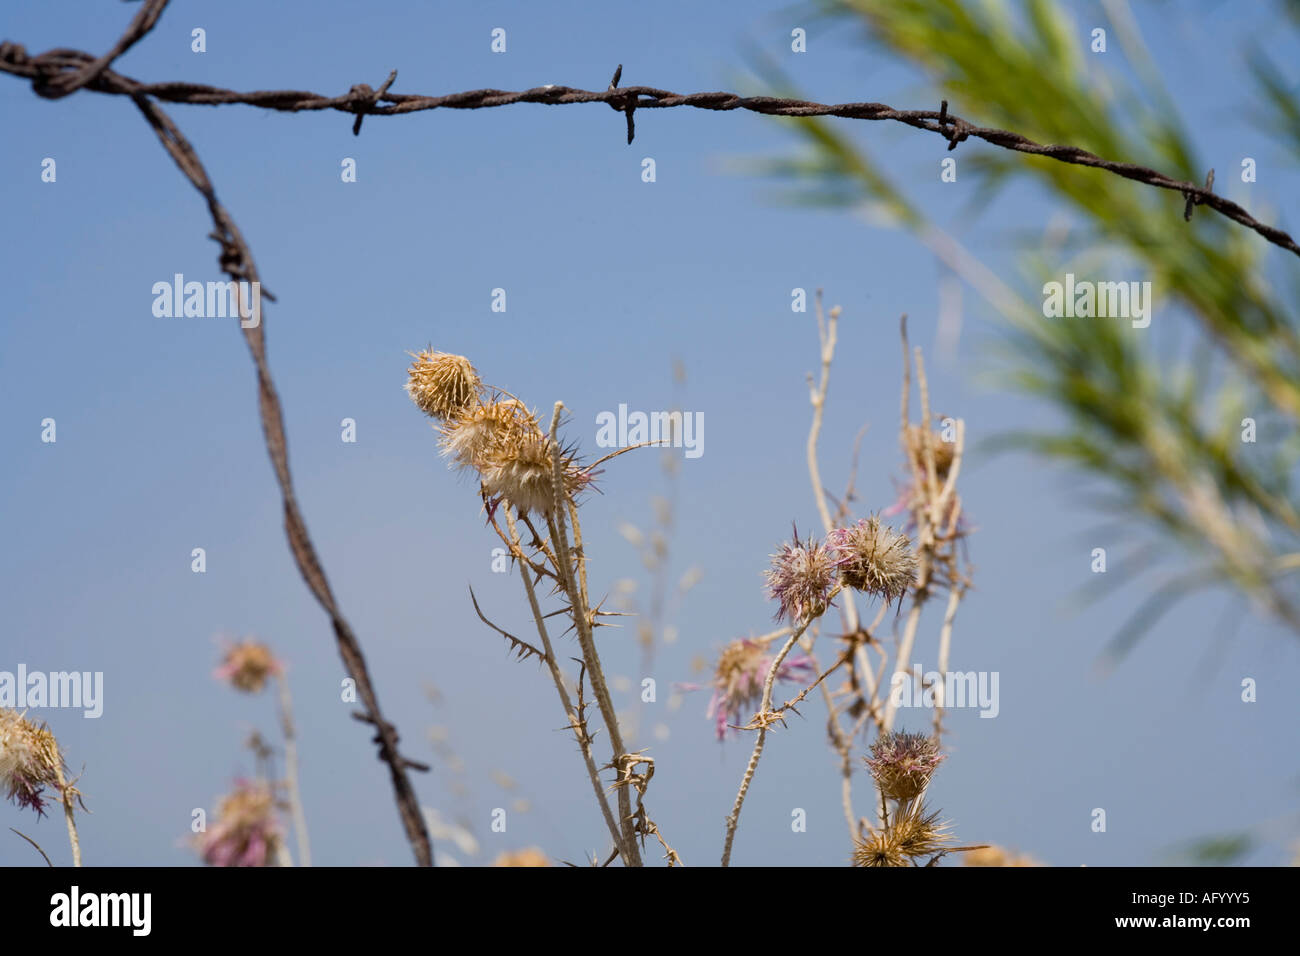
x,y
582,624
734,819
576,721
67,794
291,778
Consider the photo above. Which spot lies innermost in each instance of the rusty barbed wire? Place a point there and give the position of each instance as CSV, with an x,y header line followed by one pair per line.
x,y
47,72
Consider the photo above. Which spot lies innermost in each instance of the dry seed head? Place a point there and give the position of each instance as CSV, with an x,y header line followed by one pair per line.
x,y
442,385
874,558
476,435
248,665
878,849
920,833
521,470
902,764
29,760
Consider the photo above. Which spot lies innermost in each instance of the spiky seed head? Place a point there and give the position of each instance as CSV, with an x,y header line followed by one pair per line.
x,y
878,848
443,385
248,665
521,471
800,579
873,558
920,833
474,437
907,839
902,764
29,760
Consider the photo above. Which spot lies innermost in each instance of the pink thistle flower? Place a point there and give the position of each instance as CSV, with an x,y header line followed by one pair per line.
x,y
903,764
248,665
247,831
800,579
738,679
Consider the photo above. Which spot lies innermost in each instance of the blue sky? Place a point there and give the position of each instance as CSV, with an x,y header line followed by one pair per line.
x,y
608,280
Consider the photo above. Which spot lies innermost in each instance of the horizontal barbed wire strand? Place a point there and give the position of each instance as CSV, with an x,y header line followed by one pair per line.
x,y
46,70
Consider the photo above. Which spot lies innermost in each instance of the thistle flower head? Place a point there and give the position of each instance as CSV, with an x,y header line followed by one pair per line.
x,y
503,441
906,839
248,665
873,558
247,831
475,435
442,385
739,675
903,763
29,760
521,471
800,579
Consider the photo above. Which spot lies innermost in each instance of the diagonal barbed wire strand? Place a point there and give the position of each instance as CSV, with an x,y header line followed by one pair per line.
x,y
236,260
49,70
61,72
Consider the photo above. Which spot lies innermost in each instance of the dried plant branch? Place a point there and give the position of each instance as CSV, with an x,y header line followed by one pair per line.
x,y
522,649
576,717
733,819
291,776
582,625
35,844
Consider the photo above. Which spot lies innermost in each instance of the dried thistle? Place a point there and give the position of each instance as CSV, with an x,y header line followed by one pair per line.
x,y
442,385
475,435
29,760
738,679
905,840
801,579
873,558
247,831
515,459
248,665
902,764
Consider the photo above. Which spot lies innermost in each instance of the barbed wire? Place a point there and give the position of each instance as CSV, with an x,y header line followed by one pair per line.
x,y
61,72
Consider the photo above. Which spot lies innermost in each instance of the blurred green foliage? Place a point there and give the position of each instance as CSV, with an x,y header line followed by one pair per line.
x,y
1159,428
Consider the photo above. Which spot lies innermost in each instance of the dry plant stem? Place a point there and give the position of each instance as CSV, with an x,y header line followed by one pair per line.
x,y
291,776
764,707
945,642
575,720
67,795
582,624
